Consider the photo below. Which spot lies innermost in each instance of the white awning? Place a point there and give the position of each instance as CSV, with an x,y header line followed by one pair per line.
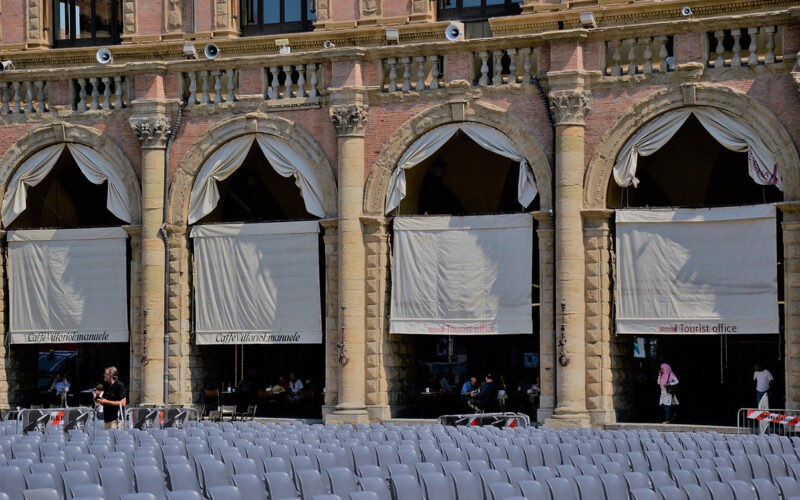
x,y
486,137
727,129
697,271
281,155
462,275
68,285
93,165
257,283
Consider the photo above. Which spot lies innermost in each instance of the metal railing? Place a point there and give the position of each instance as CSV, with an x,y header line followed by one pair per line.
x,y
159,417
781,422
65,419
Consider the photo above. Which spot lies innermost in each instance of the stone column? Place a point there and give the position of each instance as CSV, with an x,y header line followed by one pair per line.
x,y
151,127
380,364
330,239
547,374
569,108
791,299
599,387
135,341
350,120
178,314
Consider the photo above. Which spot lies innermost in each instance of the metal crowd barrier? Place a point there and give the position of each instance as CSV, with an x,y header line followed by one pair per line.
x,y
504,419
781,422
42,420
160,417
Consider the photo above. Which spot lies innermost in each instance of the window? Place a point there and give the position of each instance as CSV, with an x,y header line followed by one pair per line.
x,y
266,17
476,10
82,23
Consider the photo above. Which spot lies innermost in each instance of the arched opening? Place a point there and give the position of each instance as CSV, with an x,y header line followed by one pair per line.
x,y
65,200
243,368
693,170
463,181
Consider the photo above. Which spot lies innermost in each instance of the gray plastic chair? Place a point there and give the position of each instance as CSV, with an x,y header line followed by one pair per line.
x,y
226,492
310,483
369,470
275,464
405,487
766,489
743,490
759,467
148,479
41,494
250,486
719,491
376,485
149,496
660,478
789,487
561,489
671,493
361,495
342,481
533,489
279,485
436,486
502,491
12,481
214,474
644,494
183,495
696,492
466,485
42,480
589,487
70,479
542,473
614,486
115,482
86,490
330,497
637,480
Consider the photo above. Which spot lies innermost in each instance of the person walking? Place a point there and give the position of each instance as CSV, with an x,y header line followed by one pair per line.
x,y
668,383
114,398
763,379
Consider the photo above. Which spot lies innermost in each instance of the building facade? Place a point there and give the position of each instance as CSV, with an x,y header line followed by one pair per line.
x,y
569,84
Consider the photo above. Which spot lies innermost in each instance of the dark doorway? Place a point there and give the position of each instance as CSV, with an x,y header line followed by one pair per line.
x,y
715,371
462,178
256,193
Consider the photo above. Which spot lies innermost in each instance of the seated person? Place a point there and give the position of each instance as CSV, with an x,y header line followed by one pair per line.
x,y
486,397
295,386
468,387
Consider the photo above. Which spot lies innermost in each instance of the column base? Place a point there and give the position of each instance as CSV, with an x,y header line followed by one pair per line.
x,y
379,413
347,417
603,417
542,414
564,420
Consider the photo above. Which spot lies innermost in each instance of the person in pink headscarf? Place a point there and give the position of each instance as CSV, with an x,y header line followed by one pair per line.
x,y
668,383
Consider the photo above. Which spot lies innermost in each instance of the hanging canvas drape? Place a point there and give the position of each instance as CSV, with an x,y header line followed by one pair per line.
x,y
697,271
282,156
486,137
93,166
725,128
462,275
68,285
257,283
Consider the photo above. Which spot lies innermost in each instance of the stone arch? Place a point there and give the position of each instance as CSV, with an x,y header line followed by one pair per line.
x,y
418,125
758,116
252,123
62,133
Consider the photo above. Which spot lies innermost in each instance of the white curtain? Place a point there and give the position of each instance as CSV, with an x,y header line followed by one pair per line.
x,y
726,129
93,166
462,275
697,271
286,161
487,137
257,283
68,285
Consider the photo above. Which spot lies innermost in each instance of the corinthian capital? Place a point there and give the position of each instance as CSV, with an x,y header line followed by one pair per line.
x,y
349,119
570,107
152,132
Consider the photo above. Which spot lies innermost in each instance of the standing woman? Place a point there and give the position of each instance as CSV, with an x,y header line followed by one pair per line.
x,y
669,392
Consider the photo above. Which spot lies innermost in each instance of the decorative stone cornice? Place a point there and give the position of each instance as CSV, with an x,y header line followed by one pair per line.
x,y
570,107
152,132
349,119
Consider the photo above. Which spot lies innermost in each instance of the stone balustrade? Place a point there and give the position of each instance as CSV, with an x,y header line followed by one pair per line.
x,y
507,66
412,73
21,97
634,56
290,81
100,93
210,86
744,47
